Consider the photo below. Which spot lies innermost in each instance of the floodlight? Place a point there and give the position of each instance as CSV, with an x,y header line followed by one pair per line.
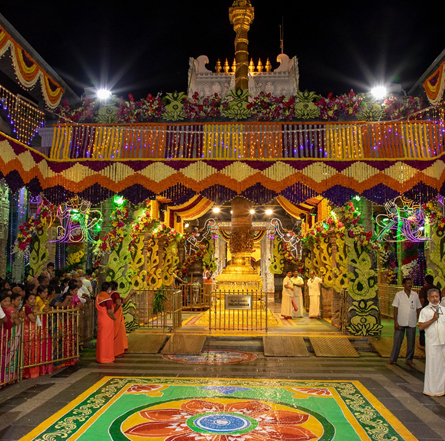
x,y
252,211
103,94
216,210
379,92
269,212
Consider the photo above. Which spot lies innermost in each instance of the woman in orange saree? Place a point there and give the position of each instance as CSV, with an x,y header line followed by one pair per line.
x,y
120,334
105,326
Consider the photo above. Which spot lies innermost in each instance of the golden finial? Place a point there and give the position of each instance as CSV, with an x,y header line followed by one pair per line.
x,y
218,66
234,65
268,66
251,66
226,66
260,66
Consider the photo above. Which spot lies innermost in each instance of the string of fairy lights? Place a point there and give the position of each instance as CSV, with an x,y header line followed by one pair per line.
x,y
25,119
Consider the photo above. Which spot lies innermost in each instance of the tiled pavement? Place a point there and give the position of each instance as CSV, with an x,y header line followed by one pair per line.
x,y
23,406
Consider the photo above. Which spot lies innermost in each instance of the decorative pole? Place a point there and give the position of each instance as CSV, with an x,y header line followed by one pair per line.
x,y
241,15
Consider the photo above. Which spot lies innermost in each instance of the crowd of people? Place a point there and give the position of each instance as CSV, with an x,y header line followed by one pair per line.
x,y
42,313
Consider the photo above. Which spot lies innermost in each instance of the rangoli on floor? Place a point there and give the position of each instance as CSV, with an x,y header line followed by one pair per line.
x,y
215,409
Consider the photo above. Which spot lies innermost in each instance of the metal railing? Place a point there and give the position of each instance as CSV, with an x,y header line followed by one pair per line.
x,y
250,140
36,348
161,308
238,310
195,296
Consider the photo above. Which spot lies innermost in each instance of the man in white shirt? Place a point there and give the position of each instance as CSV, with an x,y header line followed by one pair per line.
x,y
85,282
287,309
406,311
314,287
432,320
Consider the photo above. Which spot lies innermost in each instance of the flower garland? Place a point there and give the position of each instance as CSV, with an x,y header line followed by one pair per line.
x,y
114,237
146,109
170,234
35,224
351,218
198,108
434,211
141,225
346,105
194,256
263,107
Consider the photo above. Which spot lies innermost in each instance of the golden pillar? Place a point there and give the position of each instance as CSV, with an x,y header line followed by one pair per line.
x,y
241,14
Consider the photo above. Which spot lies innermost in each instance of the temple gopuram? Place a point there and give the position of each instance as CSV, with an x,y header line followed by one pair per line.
x,y
245,176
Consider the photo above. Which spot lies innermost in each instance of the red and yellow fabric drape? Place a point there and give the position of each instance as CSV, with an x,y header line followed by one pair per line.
x,y
318,203
196,207
434,85
28,72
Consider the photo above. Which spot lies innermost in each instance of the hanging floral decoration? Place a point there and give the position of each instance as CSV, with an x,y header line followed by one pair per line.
x,y
197,254
388,261
170,234
111,240
410,261
351,217
140,225
43,217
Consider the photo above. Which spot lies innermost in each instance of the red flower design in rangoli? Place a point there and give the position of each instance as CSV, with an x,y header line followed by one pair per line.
x,y
272,424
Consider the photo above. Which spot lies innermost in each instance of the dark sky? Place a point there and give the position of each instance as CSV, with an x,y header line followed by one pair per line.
x,y
143,46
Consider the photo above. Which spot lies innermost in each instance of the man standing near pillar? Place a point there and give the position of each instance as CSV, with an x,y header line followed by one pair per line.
x,y
298,283
406,311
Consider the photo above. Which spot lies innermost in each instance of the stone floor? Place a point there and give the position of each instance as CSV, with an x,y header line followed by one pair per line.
x,y
25,405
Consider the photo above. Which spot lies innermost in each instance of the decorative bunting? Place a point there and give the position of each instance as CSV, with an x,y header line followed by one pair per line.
x,y
434,85
28,72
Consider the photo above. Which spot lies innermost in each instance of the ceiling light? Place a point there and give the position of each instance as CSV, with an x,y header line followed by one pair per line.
x,y
216,210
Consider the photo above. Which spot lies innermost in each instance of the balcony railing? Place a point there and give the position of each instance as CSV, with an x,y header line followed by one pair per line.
x,y
249,140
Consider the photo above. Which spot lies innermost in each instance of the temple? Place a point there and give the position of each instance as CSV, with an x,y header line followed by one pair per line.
x,y
199,202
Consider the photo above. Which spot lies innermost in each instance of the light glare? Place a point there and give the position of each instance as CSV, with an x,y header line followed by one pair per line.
x,y
269,212
103,94
216,210
379,92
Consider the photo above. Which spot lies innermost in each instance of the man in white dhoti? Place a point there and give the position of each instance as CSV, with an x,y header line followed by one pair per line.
x,y
287,309
298,283
432,320
314,288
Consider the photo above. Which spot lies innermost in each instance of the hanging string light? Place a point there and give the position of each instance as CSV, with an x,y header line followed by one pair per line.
x,y
25,119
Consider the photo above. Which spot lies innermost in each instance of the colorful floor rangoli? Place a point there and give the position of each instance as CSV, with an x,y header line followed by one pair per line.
x,y
183,409
213,357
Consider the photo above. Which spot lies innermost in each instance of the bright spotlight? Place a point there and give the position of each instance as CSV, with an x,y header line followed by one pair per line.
x,y
252,211
216,210
269,212
379,92
103,94
186,225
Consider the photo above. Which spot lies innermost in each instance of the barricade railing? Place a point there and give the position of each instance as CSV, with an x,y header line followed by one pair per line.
x,y
195,296
386,296
160,308
36,348
87,322
238,310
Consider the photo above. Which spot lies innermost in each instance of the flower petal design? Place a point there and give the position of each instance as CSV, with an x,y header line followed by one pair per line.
x,y
318,391
154,429
283,417
202,406
285,433
250,408
165,415
140,388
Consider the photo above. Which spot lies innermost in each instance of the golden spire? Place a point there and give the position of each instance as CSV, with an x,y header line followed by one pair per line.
x,y
251,66
241,15
234,65
259,66
218,67
226,66
268,66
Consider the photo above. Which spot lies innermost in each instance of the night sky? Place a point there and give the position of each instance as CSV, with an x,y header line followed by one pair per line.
x,y
143,47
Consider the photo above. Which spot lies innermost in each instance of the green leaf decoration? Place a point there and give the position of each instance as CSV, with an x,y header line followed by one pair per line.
x,y
238,101
174,110
277,264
